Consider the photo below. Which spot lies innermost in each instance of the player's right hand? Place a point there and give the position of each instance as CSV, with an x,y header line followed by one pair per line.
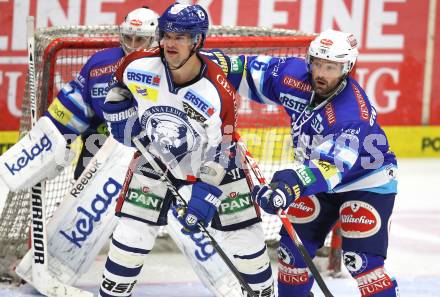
x,y
204,202
123,120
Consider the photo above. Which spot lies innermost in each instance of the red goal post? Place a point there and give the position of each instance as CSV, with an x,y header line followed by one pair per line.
x,y
60,52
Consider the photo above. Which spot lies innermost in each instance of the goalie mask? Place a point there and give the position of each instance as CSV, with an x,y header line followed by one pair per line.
x,y
334,46
138,29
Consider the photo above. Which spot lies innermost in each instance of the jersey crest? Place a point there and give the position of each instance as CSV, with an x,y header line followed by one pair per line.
x,y
170,132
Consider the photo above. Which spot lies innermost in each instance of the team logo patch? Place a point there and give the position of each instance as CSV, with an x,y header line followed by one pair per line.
x,y
296,84
287,272
327,169
355,262
352,41
59,112
143,92
199,103
105,70
292,102
136,23
236,65
330,114
170,133
363,108
192,113
359,219
144,199
304,209
326,42
99,90
235,202
373,282
285,255
144,77
305,175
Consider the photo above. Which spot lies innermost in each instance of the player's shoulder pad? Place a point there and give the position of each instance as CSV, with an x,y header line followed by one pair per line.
x,y
215,74
104,62
145,53
352,104
218,57
293,74
105,57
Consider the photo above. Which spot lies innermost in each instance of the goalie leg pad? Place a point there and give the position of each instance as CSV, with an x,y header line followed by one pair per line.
x,y
249,254
132,241
294,279
40,154
369,272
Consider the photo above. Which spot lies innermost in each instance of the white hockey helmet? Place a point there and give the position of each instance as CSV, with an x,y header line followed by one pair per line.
x,y
334,46
138,29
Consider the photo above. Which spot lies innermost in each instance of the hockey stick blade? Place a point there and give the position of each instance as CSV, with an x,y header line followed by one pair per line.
x,y
249,162
176,194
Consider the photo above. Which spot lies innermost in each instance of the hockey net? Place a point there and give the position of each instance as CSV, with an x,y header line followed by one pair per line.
x,y
60,52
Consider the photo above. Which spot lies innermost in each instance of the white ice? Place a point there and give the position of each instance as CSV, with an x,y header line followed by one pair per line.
x,y
413,257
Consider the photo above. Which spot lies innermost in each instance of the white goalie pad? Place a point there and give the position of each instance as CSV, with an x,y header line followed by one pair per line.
x,y
205,261
41,154
85,219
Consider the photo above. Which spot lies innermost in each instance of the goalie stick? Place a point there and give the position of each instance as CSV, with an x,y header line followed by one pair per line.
x,y
176,194
249,162
43,281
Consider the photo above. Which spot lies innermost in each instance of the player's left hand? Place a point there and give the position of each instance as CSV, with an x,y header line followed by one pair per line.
x,y
204,202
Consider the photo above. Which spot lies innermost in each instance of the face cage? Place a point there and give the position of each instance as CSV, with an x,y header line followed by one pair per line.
x,y
131,48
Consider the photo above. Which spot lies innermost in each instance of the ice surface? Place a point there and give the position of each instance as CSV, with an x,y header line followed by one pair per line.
x,y
413,258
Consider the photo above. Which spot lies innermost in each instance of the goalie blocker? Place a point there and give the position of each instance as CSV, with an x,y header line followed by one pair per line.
x,y
41,154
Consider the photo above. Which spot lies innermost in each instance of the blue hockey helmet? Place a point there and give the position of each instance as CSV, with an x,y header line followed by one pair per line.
x,y
182,18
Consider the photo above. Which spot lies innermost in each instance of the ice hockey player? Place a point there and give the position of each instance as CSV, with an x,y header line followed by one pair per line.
x,y
186,107
76,111
77,108
342,166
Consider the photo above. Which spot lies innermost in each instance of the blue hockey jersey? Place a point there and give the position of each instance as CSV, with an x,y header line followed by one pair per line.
x,y
338,144
77,106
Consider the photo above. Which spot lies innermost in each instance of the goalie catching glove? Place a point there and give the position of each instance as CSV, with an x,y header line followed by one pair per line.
x,y
202,206
284,188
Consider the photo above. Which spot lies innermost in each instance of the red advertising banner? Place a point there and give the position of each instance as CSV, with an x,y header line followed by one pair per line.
x,y
397,65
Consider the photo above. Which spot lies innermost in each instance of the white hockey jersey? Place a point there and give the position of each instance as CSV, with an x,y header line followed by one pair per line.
x,y
184,124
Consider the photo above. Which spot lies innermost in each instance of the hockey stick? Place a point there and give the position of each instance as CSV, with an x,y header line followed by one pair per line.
x,y
249,162
43,281
164,178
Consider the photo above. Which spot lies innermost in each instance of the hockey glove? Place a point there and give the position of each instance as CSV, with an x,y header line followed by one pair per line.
x,y
204,202
123,120
285,187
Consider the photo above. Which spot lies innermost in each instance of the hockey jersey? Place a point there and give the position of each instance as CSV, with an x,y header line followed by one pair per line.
x,y
184,124
338,144
77,106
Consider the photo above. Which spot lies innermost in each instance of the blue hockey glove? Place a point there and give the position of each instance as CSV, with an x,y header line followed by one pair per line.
x,y
123,119
285,187
202,206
